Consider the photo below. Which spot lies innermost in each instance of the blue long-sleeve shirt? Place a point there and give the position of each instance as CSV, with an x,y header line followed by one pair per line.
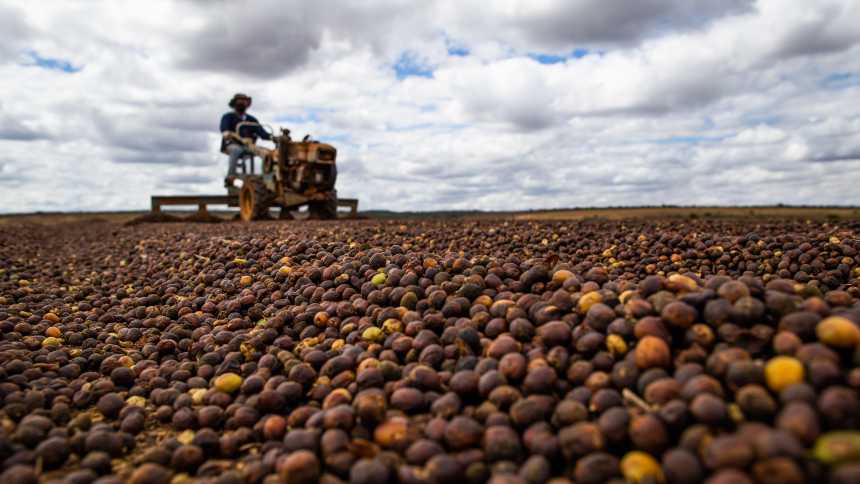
x,y
231,119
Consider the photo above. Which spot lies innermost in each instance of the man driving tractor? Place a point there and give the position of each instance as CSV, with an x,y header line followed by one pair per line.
x,y
292,175
229,145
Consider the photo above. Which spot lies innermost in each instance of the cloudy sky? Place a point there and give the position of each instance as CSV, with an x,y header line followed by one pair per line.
x,y
448,104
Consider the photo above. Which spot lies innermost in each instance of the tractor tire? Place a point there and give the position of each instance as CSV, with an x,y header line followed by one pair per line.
x,y
254,200
323,209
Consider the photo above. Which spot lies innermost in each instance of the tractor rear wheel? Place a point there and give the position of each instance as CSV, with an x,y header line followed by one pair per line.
x,y
323,209
254,200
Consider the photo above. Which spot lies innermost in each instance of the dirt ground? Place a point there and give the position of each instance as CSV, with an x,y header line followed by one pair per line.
x,y
813,213
694,212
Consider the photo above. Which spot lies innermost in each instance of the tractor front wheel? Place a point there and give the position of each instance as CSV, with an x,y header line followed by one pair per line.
x,y
323,209
254,200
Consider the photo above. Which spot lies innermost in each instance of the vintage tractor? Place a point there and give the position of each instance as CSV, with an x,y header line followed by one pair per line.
x,y
294,174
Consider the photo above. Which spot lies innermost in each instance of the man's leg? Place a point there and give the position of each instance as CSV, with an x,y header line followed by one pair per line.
x,y
235,152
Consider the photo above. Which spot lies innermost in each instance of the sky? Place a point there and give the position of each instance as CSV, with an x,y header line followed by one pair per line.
x,y
447,104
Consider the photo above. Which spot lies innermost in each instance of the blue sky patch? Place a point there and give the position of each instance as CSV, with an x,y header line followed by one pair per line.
x,y
457,51
455,48
839,77
548,58
409,127
759,119
437,127
544,58
52,63
408,65
687,140
840,80
309,116
335,139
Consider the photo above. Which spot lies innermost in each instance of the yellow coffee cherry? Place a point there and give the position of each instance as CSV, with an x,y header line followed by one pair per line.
x,y
373,334
588,300
783,371
838,332
228,382
616,345
638,466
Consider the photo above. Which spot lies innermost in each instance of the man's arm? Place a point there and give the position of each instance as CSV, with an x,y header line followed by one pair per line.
x,y
259,129
226,125
263,134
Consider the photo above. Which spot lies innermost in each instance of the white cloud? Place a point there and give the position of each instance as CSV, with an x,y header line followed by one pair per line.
x,y
673,102
796,150
761,134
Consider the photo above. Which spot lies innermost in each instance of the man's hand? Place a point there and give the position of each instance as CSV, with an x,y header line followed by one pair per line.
x,y
233,136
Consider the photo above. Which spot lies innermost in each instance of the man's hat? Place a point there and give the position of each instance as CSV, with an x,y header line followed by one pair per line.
x,y
238,96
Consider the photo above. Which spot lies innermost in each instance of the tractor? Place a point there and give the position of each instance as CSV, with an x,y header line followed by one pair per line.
x,y
292,175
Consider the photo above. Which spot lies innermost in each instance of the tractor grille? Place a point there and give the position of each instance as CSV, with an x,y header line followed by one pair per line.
x,y
323,176
325,155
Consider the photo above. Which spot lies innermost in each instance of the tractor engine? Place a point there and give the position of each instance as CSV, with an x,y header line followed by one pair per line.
x,y
310,166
